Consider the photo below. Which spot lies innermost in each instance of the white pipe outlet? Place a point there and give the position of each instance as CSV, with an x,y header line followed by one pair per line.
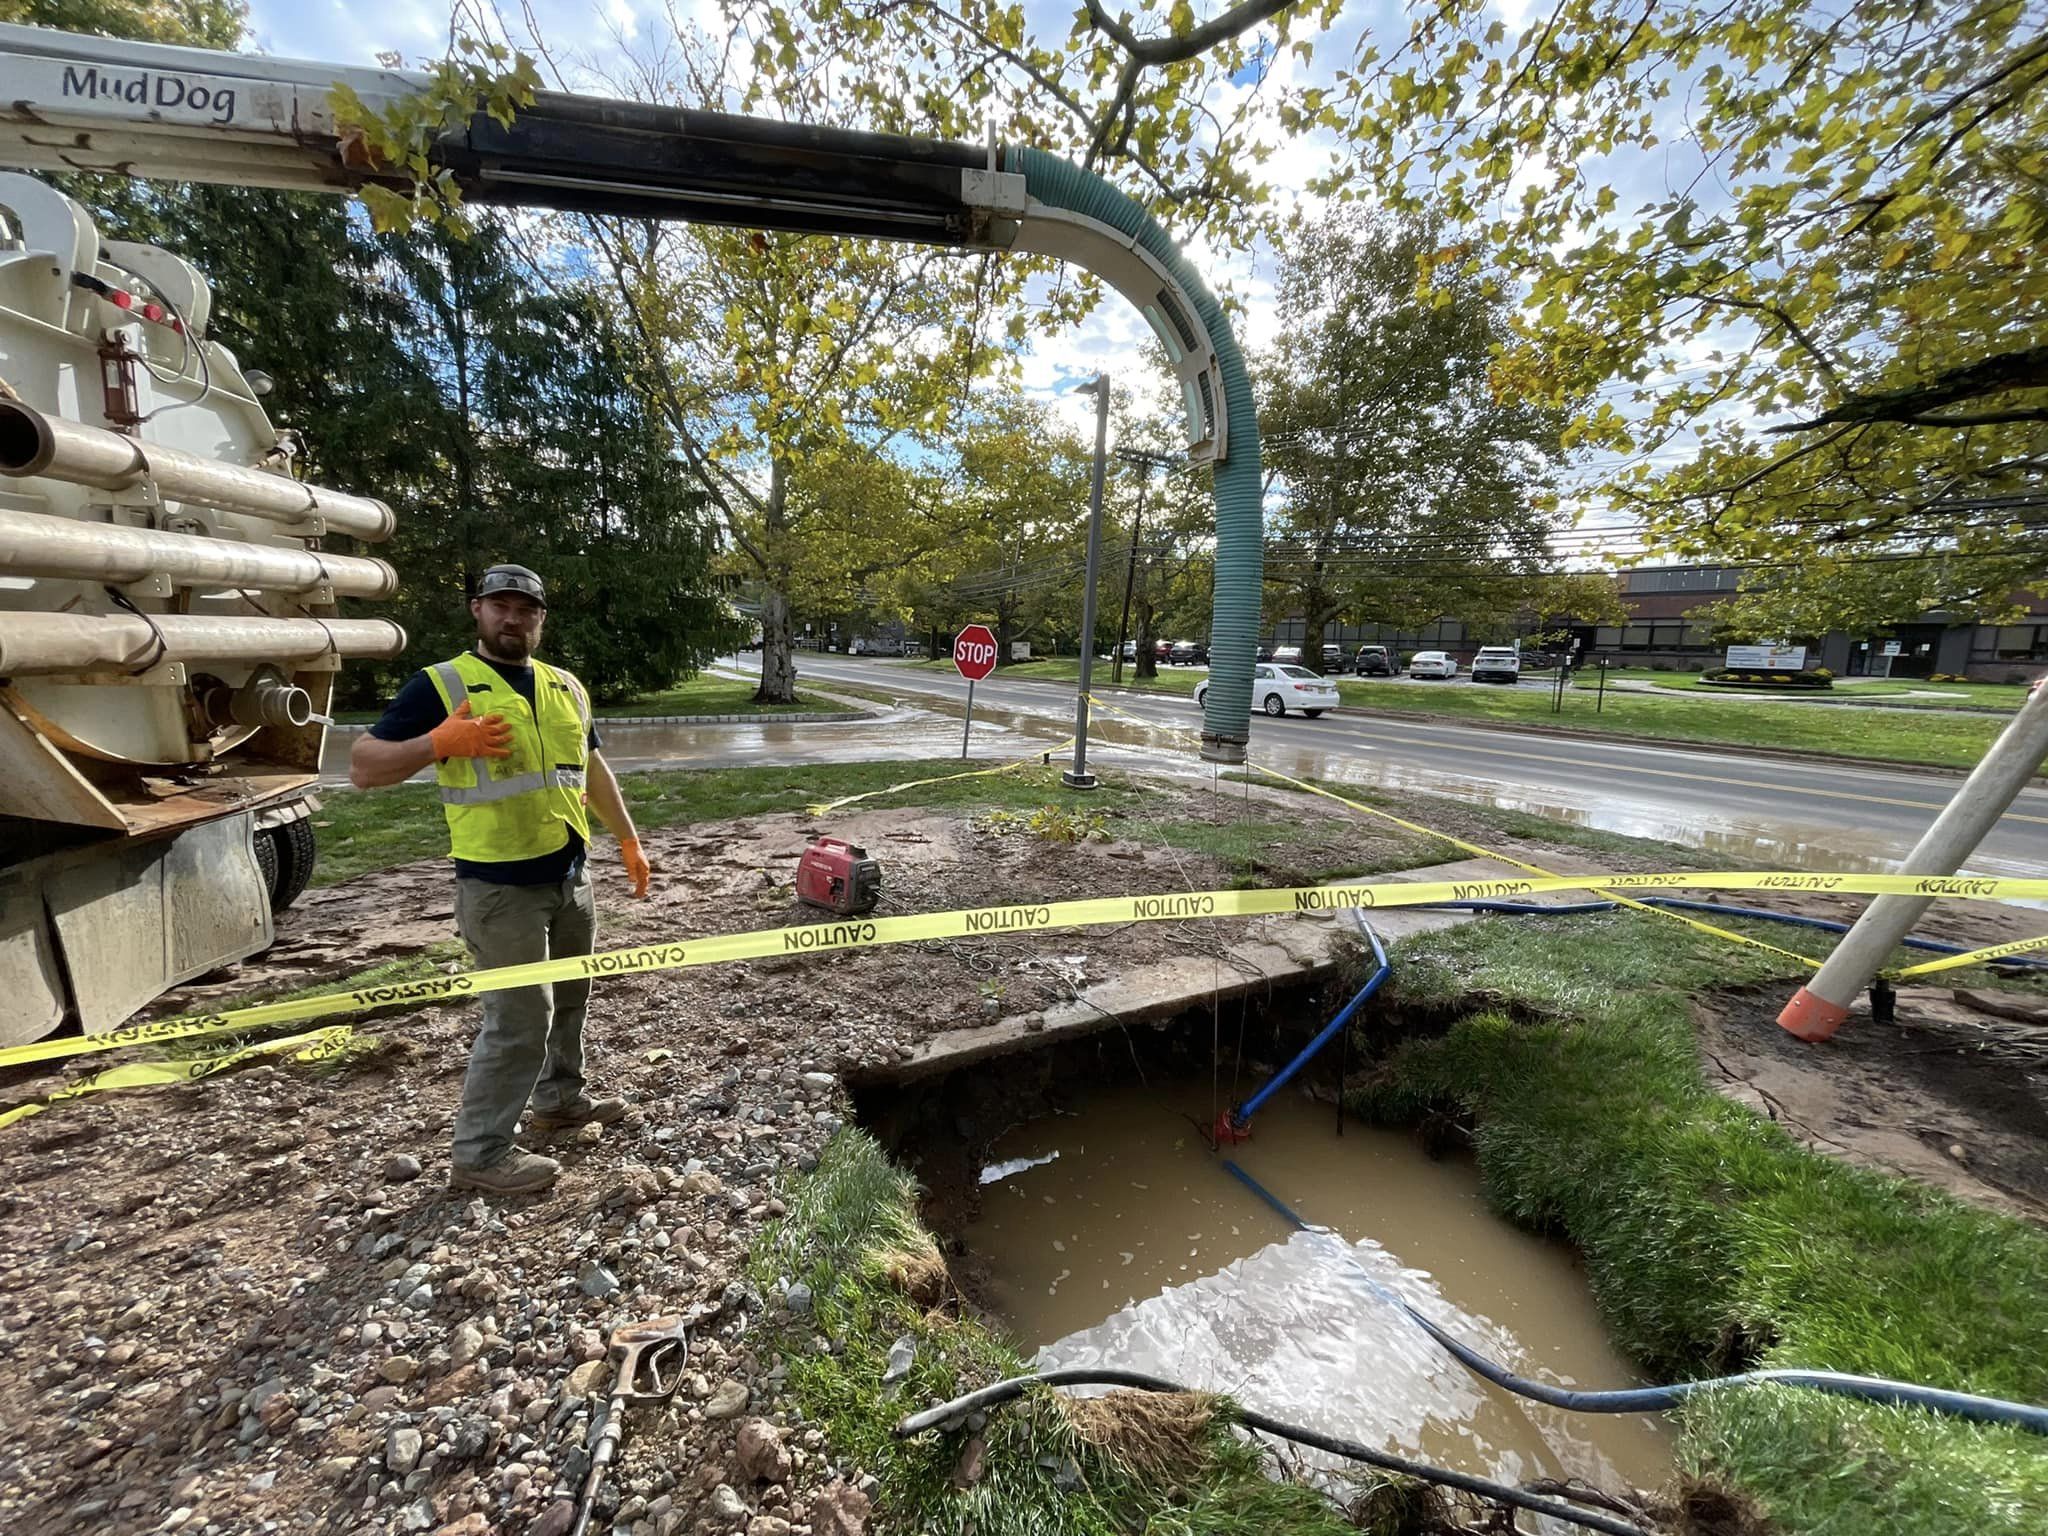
x,y
32,443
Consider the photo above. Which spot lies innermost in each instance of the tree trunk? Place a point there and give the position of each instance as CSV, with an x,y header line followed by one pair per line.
x,y
1146,665
1009,604
778,665
778,668
1312,644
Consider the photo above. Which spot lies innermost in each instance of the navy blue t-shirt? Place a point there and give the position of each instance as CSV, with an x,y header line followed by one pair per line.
x,y
417,710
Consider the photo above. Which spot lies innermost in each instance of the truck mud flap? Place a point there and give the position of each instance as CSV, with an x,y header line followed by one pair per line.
x,y
98,932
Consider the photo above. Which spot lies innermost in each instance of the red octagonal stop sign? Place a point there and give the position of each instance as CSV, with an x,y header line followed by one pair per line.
x,y
974,652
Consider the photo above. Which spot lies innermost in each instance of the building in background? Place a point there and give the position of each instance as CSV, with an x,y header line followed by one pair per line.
x,y
1670,624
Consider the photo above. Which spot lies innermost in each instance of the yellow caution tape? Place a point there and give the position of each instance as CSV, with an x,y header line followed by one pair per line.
x,y
944,778
1475,849
1536,869
1948,963
1974,957
972,922
317,1045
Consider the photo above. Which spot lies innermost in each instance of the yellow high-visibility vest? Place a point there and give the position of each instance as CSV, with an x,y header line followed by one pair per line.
x,y
525,805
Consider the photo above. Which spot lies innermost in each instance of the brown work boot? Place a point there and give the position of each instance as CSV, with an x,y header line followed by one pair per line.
x,y
512,1172
582,1110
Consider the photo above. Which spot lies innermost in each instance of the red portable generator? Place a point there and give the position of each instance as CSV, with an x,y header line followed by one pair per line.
x,y
839,877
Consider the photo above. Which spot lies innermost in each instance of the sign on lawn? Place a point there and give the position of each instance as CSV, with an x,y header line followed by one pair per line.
x,y
974,652
1771,656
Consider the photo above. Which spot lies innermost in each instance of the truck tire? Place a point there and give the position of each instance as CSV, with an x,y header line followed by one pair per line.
x,y
286,855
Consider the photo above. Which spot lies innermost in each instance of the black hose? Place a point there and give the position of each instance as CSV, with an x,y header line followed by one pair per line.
x,y
1098,1376
1873,1389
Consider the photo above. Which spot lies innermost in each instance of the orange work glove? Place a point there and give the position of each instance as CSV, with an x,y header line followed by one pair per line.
x,y
636,865
461,736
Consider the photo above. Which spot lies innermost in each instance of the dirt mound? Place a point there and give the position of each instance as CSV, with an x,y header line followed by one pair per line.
x,y
253,1299
1953,1093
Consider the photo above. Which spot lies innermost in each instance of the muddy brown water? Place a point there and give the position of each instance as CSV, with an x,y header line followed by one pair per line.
x,y
1113,1236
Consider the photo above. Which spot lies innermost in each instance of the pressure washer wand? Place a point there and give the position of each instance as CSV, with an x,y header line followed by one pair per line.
x,y
651,1357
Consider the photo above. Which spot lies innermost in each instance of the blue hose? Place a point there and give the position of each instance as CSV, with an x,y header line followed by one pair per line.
x,y
1241,1116
1874,1389
1717,909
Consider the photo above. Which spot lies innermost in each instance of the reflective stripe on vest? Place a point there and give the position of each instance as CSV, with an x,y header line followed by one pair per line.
x,y
505,789
497,816
453,684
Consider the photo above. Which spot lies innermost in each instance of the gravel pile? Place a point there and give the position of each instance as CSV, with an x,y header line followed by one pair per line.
x,y
251,1304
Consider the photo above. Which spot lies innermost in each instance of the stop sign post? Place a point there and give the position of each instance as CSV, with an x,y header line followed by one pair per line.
x,y
974,656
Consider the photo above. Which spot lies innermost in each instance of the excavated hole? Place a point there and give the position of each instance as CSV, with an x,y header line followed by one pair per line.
x,y
1081,1208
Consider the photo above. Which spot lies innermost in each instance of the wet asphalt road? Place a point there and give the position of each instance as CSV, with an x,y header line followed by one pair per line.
x,y
1776,810
1773,811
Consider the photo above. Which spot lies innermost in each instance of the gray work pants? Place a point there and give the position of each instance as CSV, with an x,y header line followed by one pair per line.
x,y
531,1043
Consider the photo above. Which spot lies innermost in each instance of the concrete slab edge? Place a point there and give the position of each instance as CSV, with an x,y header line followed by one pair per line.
x,y
1153,994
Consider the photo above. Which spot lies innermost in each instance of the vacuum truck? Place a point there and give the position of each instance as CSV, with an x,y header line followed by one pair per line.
x,y
169,635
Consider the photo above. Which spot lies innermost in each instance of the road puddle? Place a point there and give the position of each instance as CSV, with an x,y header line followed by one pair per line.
x,y
1113,1236
897,734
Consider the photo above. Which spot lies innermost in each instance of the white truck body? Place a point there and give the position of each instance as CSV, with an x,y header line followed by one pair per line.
x,y
168,628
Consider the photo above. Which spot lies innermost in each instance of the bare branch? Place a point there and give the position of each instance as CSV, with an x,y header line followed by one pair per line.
x,y
2024,369
1153,51
1792,327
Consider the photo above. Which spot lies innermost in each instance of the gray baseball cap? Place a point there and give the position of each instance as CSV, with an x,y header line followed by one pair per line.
x,y
512,578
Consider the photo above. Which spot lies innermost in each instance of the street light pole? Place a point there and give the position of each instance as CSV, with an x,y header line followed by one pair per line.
x,y
1123,625
1148,462
1078,777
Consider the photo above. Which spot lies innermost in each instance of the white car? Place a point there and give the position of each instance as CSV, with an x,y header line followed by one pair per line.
x,y
1497,664
1276,688
1431,664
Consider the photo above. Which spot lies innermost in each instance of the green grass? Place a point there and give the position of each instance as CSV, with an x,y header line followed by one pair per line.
x,y
1710,1237
1937,738
1067,669
2006,697
711,696
363,830
844,1222
360,830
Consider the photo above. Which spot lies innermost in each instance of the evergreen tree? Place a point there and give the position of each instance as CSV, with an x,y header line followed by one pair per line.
x,y
542,453
490,408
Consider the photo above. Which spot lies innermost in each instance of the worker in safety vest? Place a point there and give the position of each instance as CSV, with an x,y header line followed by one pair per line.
x,y
519,770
